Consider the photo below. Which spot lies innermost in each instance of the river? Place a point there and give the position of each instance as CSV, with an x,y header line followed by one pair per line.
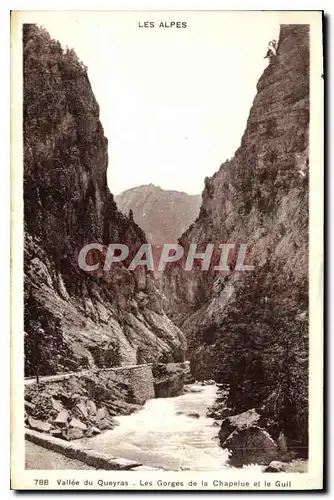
x,y
159,436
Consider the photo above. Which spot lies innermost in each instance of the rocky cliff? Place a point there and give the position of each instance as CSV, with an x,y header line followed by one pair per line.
x,y
86,320
162,214
250,329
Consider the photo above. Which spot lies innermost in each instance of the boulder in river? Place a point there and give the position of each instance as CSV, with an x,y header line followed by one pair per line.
x,y
216,423
194,414
105,424
295,466
247,442
251,445
276,466
189,388
170,386
168,380
95,430
237,422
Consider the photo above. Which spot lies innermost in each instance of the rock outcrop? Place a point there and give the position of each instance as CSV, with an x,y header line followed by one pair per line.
x,y
98,319
238,423
247,442
250,329
163,214
252,445
169,380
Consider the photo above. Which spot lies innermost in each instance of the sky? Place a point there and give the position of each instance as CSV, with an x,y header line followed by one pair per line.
x,y
174,102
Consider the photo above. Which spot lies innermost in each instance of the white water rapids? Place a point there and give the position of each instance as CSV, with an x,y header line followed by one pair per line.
x,y
160,437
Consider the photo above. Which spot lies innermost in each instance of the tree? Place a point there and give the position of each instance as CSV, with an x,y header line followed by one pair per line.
x,y
272,50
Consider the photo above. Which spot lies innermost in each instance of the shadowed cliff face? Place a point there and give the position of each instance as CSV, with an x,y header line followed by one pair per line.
x,y
87,320
250,329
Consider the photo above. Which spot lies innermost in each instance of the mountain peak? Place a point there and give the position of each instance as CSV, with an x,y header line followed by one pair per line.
x,y
163,214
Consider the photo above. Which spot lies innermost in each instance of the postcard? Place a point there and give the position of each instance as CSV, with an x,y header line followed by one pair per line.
x,y
167,250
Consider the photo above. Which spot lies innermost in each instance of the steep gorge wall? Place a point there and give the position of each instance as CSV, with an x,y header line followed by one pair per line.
x,y
88,320
251,329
